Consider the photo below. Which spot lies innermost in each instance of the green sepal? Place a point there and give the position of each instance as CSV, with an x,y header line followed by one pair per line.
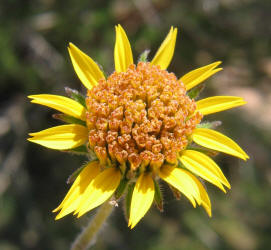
x,y
68,119
158,197
144,56
121,188
81,150
75,95
74,175
194,93
128,200
210,125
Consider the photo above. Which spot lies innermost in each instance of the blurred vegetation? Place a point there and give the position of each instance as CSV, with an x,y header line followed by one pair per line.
x,y
33,40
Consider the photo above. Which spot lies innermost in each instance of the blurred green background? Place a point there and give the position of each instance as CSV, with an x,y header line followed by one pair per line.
x,y
33,59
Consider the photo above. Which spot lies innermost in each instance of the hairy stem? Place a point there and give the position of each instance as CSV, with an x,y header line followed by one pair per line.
x,y
87,237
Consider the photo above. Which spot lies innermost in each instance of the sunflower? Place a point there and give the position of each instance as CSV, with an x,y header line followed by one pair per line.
x,y
140,125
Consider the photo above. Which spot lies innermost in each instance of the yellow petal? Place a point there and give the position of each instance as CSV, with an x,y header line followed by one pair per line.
x,y
76,192
142,198
203,166
214,140
215,104
86,69
195,77
181,180
165,53
62,104
99,190
122,53
61,137
205,200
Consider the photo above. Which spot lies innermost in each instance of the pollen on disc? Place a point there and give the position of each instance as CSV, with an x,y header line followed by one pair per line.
x,y
142,116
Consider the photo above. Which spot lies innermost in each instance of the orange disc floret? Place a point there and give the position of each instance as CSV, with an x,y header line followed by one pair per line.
x,y
142,116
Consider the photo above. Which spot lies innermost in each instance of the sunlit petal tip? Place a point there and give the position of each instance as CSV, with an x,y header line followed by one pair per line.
x,y
165,52
61,137
99,190
228,186
208,210
203,166
182,180
56,209
132,226
193,202
196,76
30,96
246,157
86,69
33,140
213,65
216,104
221,187
142,198
78,214
123,55
59,216
204,197
70,45
217,63
217,70
63,104
120,27
215,140
73,197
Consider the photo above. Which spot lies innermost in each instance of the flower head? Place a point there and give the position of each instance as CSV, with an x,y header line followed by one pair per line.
x,y
137,126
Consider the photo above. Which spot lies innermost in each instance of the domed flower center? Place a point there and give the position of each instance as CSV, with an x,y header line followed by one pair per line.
x,y
141,118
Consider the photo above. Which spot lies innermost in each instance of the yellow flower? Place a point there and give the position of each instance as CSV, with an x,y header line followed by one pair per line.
x,y
138,124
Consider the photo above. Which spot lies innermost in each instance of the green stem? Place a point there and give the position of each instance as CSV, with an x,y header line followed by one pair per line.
x,y
87,237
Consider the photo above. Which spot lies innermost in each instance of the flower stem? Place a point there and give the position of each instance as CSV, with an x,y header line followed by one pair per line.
x,y
88,235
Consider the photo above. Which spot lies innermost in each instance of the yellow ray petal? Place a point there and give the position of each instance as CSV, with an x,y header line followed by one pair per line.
x,y
165,53
214,140
76,192
142,198
99,190
62,104
188,184
61,137
122,53
181,180
90,167
215,104
195,77
86,69
203,166
205,200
